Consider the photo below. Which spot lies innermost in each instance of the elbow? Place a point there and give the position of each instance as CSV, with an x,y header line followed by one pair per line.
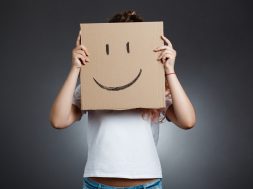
x,y
188,124
189,120
56,124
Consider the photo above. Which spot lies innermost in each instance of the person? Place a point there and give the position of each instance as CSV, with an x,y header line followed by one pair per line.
x,y
122,143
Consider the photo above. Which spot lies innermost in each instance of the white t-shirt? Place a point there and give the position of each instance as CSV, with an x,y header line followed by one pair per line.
x,y
121,143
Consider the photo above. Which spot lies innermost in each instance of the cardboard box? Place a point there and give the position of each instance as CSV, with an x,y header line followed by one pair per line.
x,y
123,72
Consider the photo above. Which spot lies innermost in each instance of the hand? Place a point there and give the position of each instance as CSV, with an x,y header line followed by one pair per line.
x,y
79,53
167,56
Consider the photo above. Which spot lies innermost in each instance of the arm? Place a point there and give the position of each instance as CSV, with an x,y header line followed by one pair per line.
x,y
63,111
181,112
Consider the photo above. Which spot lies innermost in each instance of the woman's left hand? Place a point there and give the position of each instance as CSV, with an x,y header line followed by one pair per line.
x,y
167,56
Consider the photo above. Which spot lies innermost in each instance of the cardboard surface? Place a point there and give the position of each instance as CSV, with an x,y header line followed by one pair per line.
x,y
123,72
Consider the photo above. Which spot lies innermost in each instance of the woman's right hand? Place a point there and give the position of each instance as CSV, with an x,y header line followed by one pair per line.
x,y
79,53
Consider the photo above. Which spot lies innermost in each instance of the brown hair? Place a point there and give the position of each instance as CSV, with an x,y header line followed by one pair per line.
x,y
131,16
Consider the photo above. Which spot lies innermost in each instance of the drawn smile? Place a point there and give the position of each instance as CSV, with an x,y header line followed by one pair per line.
x,y
119,87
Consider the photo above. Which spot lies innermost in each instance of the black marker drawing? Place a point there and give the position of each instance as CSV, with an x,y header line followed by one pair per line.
x,y
128,50
107,49
119,87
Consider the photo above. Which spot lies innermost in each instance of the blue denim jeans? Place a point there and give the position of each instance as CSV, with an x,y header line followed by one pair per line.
x,y
92,184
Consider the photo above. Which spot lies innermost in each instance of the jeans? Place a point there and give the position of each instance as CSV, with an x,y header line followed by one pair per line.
x,y
92,184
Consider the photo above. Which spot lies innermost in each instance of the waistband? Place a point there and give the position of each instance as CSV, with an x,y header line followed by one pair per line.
x,y
140,186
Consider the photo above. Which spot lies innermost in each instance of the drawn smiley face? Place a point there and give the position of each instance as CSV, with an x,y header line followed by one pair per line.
x,y
117,88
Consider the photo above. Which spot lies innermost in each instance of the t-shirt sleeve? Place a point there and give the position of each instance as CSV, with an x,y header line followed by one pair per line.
x,y
168,102
76,100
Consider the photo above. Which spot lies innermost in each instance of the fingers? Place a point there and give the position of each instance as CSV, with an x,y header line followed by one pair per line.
x,y
168,46
167,41
163,48
82,47
165,56
81,52
80,57
160,48
78,40
164,53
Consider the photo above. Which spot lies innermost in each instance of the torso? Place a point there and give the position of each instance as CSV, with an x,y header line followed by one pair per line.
x,y
121,182
98,121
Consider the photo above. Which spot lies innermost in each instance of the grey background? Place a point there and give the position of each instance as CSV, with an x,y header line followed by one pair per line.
x,y
213,40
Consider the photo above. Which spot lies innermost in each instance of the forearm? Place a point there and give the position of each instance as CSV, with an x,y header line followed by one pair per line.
x,y
183,109
62,105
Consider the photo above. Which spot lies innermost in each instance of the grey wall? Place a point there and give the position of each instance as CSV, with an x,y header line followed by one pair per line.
x,y
213,40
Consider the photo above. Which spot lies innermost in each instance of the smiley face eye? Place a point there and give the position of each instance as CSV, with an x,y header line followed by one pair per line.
x,y
127,46
107,49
